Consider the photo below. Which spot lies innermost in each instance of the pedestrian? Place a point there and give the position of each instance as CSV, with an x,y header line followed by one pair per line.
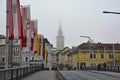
x,y
104,66
99,67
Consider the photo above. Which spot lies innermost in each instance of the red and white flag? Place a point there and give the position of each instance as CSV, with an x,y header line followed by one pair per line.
x,y
32,35
25,11
33,27
14,20
35,36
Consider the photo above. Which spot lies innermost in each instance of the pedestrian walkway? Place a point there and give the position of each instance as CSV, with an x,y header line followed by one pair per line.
x,y
42,75
113,74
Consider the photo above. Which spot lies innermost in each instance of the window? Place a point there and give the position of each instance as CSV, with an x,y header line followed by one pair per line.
x,y
15,41
94,56
26,59
102,56
32,58
3,59
18,50
111,56
90,56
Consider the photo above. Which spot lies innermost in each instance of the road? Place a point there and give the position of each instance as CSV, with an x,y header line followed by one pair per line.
x,y
86,75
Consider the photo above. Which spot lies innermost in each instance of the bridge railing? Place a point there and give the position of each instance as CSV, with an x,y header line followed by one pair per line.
x,y
113,68
107,68
17,73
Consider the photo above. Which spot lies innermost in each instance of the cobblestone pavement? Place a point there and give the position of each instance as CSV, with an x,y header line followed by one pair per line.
x,y
41,75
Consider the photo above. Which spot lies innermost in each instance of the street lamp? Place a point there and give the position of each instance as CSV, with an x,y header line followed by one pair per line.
x,y
113,44
108,12
88,41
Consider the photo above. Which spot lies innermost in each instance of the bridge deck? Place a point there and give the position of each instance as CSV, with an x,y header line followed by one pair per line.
x,y
41,75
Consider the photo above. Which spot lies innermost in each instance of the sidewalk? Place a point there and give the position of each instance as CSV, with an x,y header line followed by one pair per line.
x,y
113,74
42,75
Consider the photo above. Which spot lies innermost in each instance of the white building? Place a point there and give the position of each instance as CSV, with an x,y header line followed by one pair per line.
x,y
13,53
2,50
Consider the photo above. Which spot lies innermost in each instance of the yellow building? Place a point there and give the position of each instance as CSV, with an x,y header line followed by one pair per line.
x,y
87,55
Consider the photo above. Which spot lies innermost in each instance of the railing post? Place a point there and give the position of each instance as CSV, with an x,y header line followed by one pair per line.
x,y
11,74
17,74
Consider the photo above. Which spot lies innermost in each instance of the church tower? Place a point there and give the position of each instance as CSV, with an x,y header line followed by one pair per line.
x,y
60,38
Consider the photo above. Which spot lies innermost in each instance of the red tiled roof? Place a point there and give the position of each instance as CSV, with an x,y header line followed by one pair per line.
x,y
100,46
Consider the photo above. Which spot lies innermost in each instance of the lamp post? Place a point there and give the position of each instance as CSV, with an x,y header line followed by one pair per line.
x,y
88,42
113,56
108,12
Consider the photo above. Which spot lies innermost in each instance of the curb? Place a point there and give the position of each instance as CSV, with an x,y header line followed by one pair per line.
x,y
59,76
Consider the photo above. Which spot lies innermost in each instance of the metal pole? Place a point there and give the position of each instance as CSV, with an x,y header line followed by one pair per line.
x,y
104,55
113,55
88,44
7,39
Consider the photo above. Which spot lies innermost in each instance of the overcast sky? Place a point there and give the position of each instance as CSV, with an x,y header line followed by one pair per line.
x,y
77,17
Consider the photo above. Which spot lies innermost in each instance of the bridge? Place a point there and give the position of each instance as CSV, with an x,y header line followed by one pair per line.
x,y
36,73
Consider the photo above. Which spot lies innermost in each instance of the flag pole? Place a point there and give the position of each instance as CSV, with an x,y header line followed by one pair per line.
x,y
7,39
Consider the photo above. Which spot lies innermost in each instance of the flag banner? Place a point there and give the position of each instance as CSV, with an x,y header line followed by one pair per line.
x,y
42,47
46,55
35,36
32,35
25,11
39,44
14,20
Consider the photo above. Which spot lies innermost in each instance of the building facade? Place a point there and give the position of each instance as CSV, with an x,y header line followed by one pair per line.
x,y
14,52
98,53
2,50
